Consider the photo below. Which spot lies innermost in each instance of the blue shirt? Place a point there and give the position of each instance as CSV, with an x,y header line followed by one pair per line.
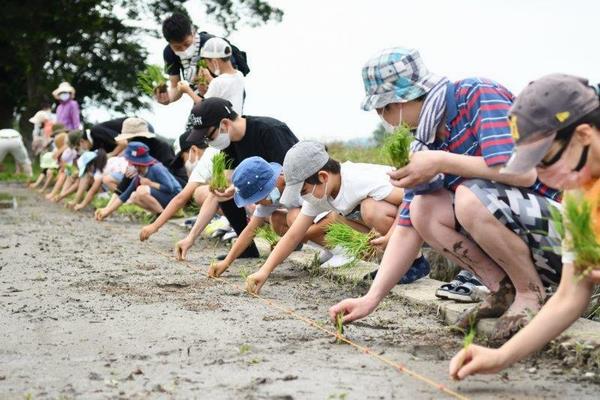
x,y
156,173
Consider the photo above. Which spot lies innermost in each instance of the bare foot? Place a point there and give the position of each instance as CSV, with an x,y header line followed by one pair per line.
x,y
493,306
517,316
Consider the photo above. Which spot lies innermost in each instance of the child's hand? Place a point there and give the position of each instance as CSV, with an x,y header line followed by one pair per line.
x,y
476,360
225,195
182,247
352,309
101,214
70,204
145,181
147,231
216,269
256,281
380,243
78,207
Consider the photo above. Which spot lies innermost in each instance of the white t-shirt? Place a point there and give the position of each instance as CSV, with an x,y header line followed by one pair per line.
x,y
266,211
358,182
113,165
229,87
202,172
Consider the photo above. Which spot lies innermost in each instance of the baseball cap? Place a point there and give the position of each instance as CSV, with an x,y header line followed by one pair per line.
x,y
302,161
215,47
254,179
395,75
544,107
207,114
83,161
179,146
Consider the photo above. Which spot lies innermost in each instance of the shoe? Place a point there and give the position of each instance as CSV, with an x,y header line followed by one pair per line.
x,y
338,258
221,257
420,268
324,253
219,223
229,236
444,290
472,291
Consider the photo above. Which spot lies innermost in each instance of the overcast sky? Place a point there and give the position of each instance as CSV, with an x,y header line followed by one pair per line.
x,y
306,70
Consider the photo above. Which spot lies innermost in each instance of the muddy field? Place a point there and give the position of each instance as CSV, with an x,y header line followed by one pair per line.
x,y
89,312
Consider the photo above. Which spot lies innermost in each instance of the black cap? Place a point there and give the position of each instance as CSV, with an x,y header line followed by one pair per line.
x,y
184,145
207,114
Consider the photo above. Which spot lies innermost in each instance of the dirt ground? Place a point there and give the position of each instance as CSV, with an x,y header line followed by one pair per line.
x,y
89,312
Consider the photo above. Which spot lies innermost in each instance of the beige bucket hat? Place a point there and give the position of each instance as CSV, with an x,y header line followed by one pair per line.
x,y
134,127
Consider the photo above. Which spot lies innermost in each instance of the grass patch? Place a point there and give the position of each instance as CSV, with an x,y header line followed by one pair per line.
x,y
355,243
8,174
152,78
396,146
342,153
220,163
131,211
575,226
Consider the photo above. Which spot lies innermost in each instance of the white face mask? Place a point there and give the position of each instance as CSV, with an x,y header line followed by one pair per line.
x,y
321,202
64,96
221,142
189,52
216,70
274,196
190,165
386,125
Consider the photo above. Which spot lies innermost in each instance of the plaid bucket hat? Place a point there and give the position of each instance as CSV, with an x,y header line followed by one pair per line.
x,y
395,75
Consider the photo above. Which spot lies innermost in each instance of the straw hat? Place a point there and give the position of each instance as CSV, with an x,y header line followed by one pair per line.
x,y
134,127
63,87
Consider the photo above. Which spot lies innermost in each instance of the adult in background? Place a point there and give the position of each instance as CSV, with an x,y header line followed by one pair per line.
x,y
67,112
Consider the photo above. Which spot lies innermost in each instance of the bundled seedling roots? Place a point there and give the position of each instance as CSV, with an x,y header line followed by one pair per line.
x,y
267,233
355,243
575,225
152,79
220,163
200,79
396,146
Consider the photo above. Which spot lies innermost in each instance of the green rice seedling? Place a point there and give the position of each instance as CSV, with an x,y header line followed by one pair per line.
x,y
200,79
470,336
339,326
152,78
396,146
355,243
220,163
267,233
575,226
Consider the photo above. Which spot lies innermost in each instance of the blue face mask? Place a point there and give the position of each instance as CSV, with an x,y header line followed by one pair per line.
x,y
274,196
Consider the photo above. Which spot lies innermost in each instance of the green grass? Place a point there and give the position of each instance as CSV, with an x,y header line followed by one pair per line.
x,y
355,243
575,226
8,172
341,153
396,146
151,78
267,233
131,211
220,163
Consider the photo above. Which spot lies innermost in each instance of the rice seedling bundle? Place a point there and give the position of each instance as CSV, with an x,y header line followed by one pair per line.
x,y
396,146
339,326
200,79
152,78
220,163
355,243
267,233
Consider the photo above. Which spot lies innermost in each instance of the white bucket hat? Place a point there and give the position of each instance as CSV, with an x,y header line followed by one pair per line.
x,y
134,127
63,87
40,117
215,48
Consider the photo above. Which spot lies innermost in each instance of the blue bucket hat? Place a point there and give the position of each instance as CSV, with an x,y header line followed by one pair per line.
x,y
84,160
137,153
254,179
395,75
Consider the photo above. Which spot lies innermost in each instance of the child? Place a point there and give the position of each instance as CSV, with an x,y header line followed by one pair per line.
x,y
152,186
456,199
228,83
197,159
42,128
67,112
66,183
261,183
90,166
326,185
48,160
556,126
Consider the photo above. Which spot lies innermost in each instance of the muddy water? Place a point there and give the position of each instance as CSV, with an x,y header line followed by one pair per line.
x,y
87,311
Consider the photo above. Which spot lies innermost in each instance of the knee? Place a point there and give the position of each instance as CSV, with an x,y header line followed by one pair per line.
x,y
469,210
369,212
422,211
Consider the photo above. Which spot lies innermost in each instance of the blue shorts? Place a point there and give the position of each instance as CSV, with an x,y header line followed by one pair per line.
x,y
162,197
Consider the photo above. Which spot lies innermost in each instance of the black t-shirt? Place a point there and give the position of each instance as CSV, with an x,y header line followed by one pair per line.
x,y
104,133
265,137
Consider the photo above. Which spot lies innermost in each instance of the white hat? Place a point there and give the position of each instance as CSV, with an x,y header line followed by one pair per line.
x,y
63,87
215,48
40,117
134,127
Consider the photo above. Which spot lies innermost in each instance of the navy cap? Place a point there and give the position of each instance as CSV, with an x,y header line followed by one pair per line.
x,y
254,179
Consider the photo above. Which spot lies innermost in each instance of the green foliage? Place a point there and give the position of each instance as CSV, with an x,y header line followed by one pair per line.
x,y
575,225
267,233
355,243
396,146
220,164
152,78
131,211
339,151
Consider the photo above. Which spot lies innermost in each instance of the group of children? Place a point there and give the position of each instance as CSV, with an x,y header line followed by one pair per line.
x,y
486,172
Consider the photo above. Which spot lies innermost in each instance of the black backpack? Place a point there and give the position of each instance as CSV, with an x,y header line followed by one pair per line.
x,y
238,59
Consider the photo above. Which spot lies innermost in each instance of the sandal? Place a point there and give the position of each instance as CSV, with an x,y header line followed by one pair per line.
x,y
472,291
444,290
